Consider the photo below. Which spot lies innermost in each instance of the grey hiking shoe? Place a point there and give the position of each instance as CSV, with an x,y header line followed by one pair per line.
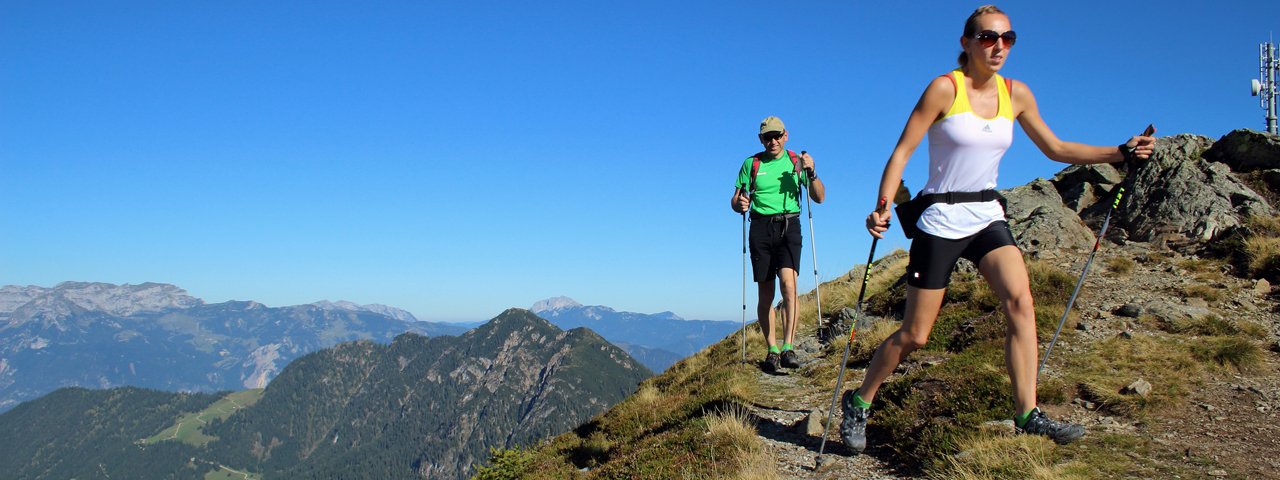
x,y
853,427
1060,432
789,359
770,364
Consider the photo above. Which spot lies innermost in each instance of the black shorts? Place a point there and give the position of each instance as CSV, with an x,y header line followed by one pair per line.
x,y
775,244
933,258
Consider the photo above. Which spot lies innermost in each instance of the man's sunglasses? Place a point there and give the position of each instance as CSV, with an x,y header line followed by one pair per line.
x,y
987,38
771,136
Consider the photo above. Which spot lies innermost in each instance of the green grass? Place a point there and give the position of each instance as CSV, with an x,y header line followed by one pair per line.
x,y
189,428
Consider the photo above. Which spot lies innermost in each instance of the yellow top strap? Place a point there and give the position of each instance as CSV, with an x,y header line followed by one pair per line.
x,y
961,102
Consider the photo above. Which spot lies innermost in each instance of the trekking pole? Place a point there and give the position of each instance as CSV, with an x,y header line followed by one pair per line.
x,y
853,328
813,243
744,273
1106,222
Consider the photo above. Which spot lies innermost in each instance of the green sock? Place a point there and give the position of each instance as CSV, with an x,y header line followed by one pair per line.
x,y
774,349
859,402
786,346
1021,418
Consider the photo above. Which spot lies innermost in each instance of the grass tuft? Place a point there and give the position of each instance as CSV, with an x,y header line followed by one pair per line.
x,y
1120,265
1000,457
1241,353
733,429
1209,294
1263,255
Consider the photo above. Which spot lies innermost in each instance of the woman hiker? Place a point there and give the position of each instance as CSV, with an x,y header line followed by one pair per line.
x,y
968,115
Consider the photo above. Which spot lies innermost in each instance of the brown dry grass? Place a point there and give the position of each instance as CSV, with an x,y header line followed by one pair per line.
x,y
1001,457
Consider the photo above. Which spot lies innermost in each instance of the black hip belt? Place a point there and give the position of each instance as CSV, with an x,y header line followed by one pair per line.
x,y
959,197
781,217
909,213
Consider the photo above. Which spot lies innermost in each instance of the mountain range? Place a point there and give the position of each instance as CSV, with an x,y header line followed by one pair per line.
x,y
657,340
418,407
158,336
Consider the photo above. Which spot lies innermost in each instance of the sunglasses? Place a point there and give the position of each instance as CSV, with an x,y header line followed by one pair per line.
x,y
987,38
771,136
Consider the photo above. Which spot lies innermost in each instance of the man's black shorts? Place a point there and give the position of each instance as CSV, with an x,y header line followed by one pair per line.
x,y
934,258
775,244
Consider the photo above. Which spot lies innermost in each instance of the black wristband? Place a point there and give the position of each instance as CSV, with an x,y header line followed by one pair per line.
x,y
1127,152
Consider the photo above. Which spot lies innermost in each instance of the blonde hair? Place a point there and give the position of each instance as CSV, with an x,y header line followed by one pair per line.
x,y
971,28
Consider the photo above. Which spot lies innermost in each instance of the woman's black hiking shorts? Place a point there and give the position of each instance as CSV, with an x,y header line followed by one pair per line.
x,y
775,244
933,258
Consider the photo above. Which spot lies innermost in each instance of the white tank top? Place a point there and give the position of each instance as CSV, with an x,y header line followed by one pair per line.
x,y
964,156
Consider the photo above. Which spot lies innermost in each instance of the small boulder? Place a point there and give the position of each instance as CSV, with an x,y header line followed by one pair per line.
x,y
1172,312
1085,404
1262,287
813,422
1131,310
1139,387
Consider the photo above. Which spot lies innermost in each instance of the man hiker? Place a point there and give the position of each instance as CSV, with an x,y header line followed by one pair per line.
x,y
768,187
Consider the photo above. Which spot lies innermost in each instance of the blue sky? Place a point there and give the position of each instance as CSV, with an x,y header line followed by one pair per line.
x,y
458,158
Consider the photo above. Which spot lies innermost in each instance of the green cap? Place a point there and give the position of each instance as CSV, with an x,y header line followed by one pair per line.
x,y
771,124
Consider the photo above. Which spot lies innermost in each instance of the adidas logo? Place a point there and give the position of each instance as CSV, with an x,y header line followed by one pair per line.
x,y
986,128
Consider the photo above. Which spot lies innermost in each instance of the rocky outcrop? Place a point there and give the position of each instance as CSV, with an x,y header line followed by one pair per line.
x,y
1246,151
1082,186
1040,220
1180,192
1193,190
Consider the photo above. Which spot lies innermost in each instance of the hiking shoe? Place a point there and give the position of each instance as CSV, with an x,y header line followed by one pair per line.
x,y
789,359
853,427
770,364
1060,432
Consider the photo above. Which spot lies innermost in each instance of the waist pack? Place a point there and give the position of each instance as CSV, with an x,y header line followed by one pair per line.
x,y
909,212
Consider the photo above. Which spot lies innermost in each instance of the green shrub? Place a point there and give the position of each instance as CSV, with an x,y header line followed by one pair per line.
x,y
505,464
927,413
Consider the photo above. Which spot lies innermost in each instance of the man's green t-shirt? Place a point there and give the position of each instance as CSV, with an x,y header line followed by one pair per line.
x,y
777,190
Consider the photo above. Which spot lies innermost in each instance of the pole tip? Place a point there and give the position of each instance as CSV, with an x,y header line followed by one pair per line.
x,y
823,462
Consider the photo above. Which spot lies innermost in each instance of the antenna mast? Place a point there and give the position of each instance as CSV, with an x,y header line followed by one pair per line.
x,y
1265,85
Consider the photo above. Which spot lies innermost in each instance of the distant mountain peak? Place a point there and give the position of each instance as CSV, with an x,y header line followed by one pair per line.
x,y
554,303
380,309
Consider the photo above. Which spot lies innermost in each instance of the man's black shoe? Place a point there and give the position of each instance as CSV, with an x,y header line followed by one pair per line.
x,y
770,364
789,359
